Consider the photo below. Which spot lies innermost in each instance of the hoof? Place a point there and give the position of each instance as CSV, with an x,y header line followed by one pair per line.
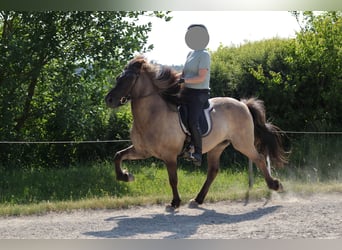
x,y
171,209
193,204
125,176
128,176
276,186
280,188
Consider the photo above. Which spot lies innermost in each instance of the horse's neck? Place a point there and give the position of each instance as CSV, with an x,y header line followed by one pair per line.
x,y
147,103
143,87
148,114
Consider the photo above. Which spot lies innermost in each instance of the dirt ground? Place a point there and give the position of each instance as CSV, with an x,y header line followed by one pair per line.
x,y
283,216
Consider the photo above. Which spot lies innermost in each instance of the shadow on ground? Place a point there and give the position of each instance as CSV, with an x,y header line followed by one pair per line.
x,y
174,225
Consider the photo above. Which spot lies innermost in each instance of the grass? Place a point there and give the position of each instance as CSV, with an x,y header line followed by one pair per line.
x,y
315,167
38,191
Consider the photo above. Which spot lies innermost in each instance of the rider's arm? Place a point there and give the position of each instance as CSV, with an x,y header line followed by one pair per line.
x,y
202,73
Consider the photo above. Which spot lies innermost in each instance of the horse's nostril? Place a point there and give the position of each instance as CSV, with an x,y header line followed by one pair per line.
x,y
108,100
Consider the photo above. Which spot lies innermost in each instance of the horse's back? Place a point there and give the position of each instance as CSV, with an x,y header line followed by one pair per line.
x,y
230,118
231,106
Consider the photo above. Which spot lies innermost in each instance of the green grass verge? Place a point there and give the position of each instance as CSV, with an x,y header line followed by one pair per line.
x,y
38,191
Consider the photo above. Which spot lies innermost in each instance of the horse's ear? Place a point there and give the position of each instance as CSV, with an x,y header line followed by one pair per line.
x,y
137,65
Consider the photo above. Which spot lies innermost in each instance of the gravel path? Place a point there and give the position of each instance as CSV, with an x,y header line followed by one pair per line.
x,y
283,216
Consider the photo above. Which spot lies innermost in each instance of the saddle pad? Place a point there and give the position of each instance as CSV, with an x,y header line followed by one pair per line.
x,y
204,120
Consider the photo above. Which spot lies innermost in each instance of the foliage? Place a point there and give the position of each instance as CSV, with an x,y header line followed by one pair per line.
x,y
299,79
55,69
319,59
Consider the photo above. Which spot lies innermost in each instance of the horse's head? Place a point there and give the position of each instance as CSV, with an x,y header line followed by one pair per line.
x,y
125,82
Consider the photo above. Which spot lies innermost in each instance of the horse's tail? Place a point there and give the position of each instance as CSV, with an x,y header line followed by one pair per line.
x,y
267,136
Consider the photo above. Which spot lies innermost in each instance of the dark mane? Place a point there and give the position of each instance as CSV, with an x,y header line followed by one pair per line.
x,y
164,79
168,85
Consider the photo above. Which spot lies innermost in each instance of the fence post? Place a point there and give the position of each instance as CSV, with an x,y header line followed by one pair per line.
x,y
250,174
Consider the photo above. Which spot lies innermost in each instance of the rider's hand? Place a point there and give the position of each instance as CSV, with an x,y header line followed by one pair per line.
x,y
181,80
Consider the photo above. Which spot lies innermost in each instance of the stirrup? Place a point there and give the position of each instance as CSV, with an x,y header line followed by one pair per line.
x,y
188,151
197,161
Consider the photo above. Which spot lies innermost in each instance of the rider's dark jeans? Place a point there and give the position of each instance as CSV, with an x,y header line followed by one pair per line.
x,y
194,101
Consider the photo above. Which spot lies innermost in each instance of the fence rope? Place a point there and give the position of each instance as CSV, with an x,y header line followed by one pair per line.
x,y
312,132
62,142
127,140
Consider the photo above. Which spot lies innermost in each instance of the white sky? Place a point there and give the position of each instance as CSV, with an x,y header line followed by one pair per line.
x,y
225,27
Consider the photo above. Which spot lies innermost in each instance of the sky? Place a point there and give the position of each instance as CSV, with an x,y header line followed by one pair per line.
x,y
225,27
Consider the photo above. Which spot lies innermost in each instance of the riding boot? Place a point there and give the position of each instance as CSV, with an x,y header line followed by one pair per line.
x,y
196,156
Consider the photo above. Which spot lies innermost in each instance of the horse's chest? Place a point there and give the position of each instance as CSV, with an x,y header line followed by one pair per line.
x,y
141,137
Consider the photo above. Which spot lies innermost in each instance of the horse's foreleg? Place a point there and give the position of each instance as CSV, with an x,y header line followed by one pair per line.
x,y
126,154
173,180
213,168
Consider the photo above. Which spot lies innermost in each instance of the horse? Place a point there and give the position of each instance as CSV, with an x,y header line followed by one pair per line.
x,y
156,131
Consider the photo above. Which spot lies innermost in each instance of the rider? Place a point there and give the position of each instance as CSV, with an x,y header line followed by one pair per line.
x,y
195,79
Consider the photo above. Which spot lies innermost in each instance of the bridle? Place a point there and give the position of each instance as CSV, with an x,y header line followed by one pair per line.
x,y
128,97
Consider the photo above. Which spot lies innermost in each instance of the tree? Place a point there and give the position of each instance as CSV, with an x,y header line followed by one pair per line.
x,y
299,79
55,68
256,69
319,60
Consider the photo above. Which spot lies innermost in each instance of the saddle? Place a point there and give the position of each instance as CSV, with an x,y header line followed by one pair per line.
x,y
204,120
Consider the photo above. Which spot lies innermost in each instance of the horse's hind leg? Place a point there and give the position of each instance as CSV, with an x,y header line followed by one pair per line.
x,y
129,153
260,161
213,157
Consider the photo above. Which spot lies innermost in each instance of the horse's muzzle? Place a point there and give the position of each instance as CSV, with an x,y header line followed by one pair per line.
x,y
110,101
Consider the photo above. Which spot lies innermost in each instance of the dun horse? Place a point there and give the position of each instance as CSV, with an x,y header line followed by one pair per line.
x,y
156,131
